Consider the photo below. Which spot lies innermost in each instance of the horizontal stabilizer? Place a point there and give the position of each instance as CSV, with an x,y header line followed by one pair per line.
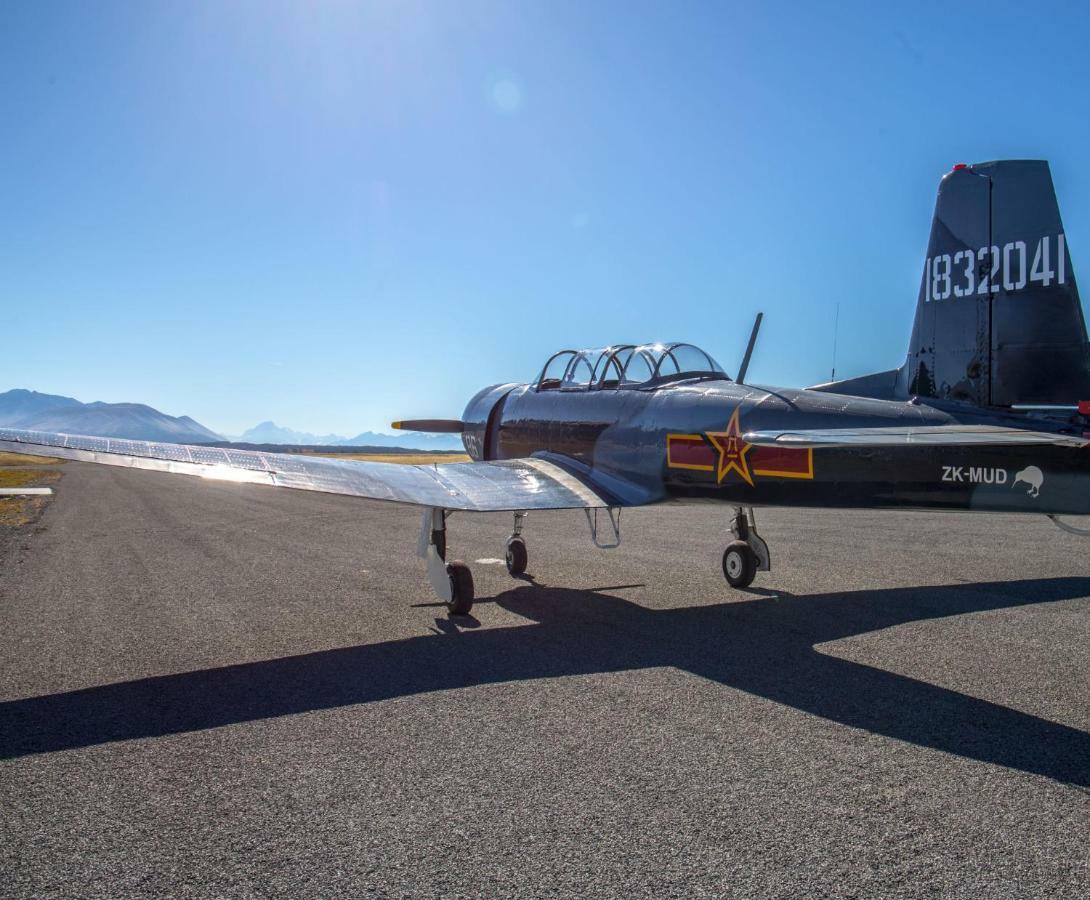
x,y
924,435
434,426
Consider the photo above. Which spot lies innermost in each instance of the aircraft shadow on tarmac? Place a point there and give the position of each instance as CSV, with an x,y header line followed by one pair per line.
x,y
764,646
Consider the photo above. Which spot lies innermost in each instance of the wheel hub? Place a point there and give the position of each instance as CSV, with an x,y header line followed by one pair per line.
x,y
734,565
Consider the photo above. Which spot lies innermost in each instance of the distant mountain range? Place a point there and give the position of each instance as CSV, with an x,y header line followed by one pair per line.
x,y
31,410
271,433
49,412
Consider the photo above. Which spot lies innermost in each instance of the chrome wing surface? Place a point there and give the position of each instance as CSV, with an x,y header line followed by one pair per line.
x,y
917,436
522,484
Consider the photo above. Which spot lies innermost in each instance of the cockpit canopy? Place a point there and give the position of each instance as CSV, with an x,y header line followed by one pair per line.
x,y
627,366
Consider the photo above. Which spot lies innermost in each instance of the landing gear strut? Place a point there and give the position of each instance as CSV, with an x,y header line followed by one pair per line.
x,y
516,548
747,554
452,582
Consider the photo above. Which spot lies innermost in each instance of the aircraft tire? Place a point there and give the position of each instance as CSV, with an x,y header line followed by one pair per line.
x,y
461,588
739,564
516,556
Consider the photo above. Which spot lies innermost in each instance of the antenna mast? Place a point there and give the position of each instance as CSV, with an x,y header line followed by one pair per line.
x,y
744,368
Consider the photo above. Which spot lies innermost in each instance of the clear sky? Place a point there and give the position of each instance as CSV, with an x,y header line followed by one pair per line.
x,y
336,214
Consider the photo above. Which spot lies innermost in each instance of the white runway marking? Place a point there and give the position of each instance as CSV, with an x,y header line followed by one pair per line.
x,y
489,561
26,490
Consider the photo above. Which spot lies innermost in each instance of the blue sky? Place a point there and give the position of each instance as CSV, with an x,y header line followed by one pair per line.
x,y
338,214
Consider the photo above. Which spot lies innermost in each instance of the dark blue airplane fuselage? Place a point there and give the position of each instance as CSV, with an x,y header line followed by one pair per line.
x,y
683,441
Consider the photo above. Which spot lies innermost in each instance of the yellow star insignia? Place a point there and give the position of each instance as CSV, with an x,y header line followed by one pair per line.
x,y
732,449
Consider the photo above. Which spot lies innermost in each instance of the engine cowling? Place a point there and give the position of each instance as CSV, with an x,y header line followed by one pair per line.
x,y
481,421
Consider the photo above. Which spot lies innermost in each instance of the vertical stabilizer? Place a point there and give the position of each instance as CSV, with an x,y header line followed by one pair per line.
x,y
998,320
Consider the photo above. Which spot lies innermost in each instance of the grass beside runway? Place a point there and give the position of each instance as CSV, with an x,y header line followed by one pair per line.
x,y
15,478
25,459
16,511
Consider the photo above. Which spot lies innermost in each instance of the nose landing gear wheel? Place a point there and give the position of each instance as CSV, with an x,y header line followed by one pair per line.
x,y
461,588
516,555
739,564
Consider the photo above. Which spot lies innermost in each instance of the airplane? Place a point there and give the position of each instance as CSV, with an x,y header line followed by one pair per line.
x,y
989,412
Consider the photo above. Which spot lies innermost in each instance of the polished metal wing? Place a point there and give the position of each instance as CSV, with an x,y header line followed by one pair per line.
x,y
521,484
922,435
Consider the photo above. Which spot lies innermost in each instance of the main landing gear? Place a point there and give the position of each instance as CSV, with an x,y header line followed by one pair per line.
x,y
747,554
516,556
453,581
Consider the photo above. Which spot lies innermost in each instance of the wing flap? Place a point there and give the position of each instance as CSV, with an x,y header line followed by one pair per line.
x,y
922,435
525,484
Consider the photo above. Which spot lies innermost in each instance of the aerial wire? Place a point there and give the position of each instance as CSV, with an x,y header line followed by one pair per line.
x,y
836,328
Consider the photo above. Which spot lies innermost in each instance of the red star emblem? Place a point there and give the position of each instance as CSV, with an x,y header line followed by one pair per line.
x,y
732,450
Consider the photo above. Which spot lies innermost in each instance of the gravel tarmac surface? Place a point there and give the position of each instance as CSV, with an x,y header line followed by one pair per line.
x,y
218,689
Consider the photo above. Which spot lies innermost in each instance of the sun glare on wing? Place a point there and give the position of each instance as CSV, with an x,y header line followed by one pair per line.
x,y
226,473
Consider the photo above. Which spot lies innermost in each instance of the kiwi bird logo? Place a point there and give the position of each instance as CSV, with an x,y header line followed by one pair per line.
x,y
1032,476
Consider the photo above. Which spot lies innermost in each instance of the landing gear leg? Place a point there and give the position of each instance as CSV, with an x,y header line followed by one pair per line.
x,y
452,582
747,554
516,548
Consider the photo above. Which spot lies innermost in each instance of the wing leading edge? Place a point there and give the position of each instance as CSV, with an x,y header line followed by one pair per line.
x,y
522,484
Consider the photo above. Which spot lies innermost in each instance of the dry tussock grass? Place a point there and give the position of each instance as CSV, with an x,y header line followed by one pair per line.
x,y
20,510
17,511
27,477
25,459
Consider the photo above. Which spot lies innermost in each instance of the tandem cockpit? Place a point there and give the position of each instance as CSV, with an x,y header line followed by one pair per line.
x,y
632,366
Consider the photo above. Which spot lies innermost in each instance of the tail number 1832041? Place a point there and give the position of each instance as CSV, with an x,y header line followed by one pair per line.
x,y
987,270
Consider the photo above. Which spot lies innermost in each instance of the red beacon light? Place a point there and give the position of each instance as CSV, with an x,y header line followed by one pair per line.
x,y
959,166
1084,407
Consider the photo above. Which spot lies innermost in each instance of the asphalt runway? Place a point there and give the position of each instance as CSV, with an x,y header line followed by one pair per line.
x,y
217,689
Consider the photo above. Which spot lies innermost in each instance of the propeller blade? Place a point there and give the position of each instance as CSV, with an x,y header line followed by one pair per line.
x,y
435,426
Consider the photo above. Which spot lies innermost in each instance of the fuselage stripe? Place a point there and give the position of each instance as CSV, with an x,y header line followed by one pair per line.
x,y
689,451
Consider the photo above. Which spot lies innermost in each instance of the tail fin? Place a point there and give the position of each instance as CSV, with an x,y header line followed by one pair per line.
x,y
998,321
